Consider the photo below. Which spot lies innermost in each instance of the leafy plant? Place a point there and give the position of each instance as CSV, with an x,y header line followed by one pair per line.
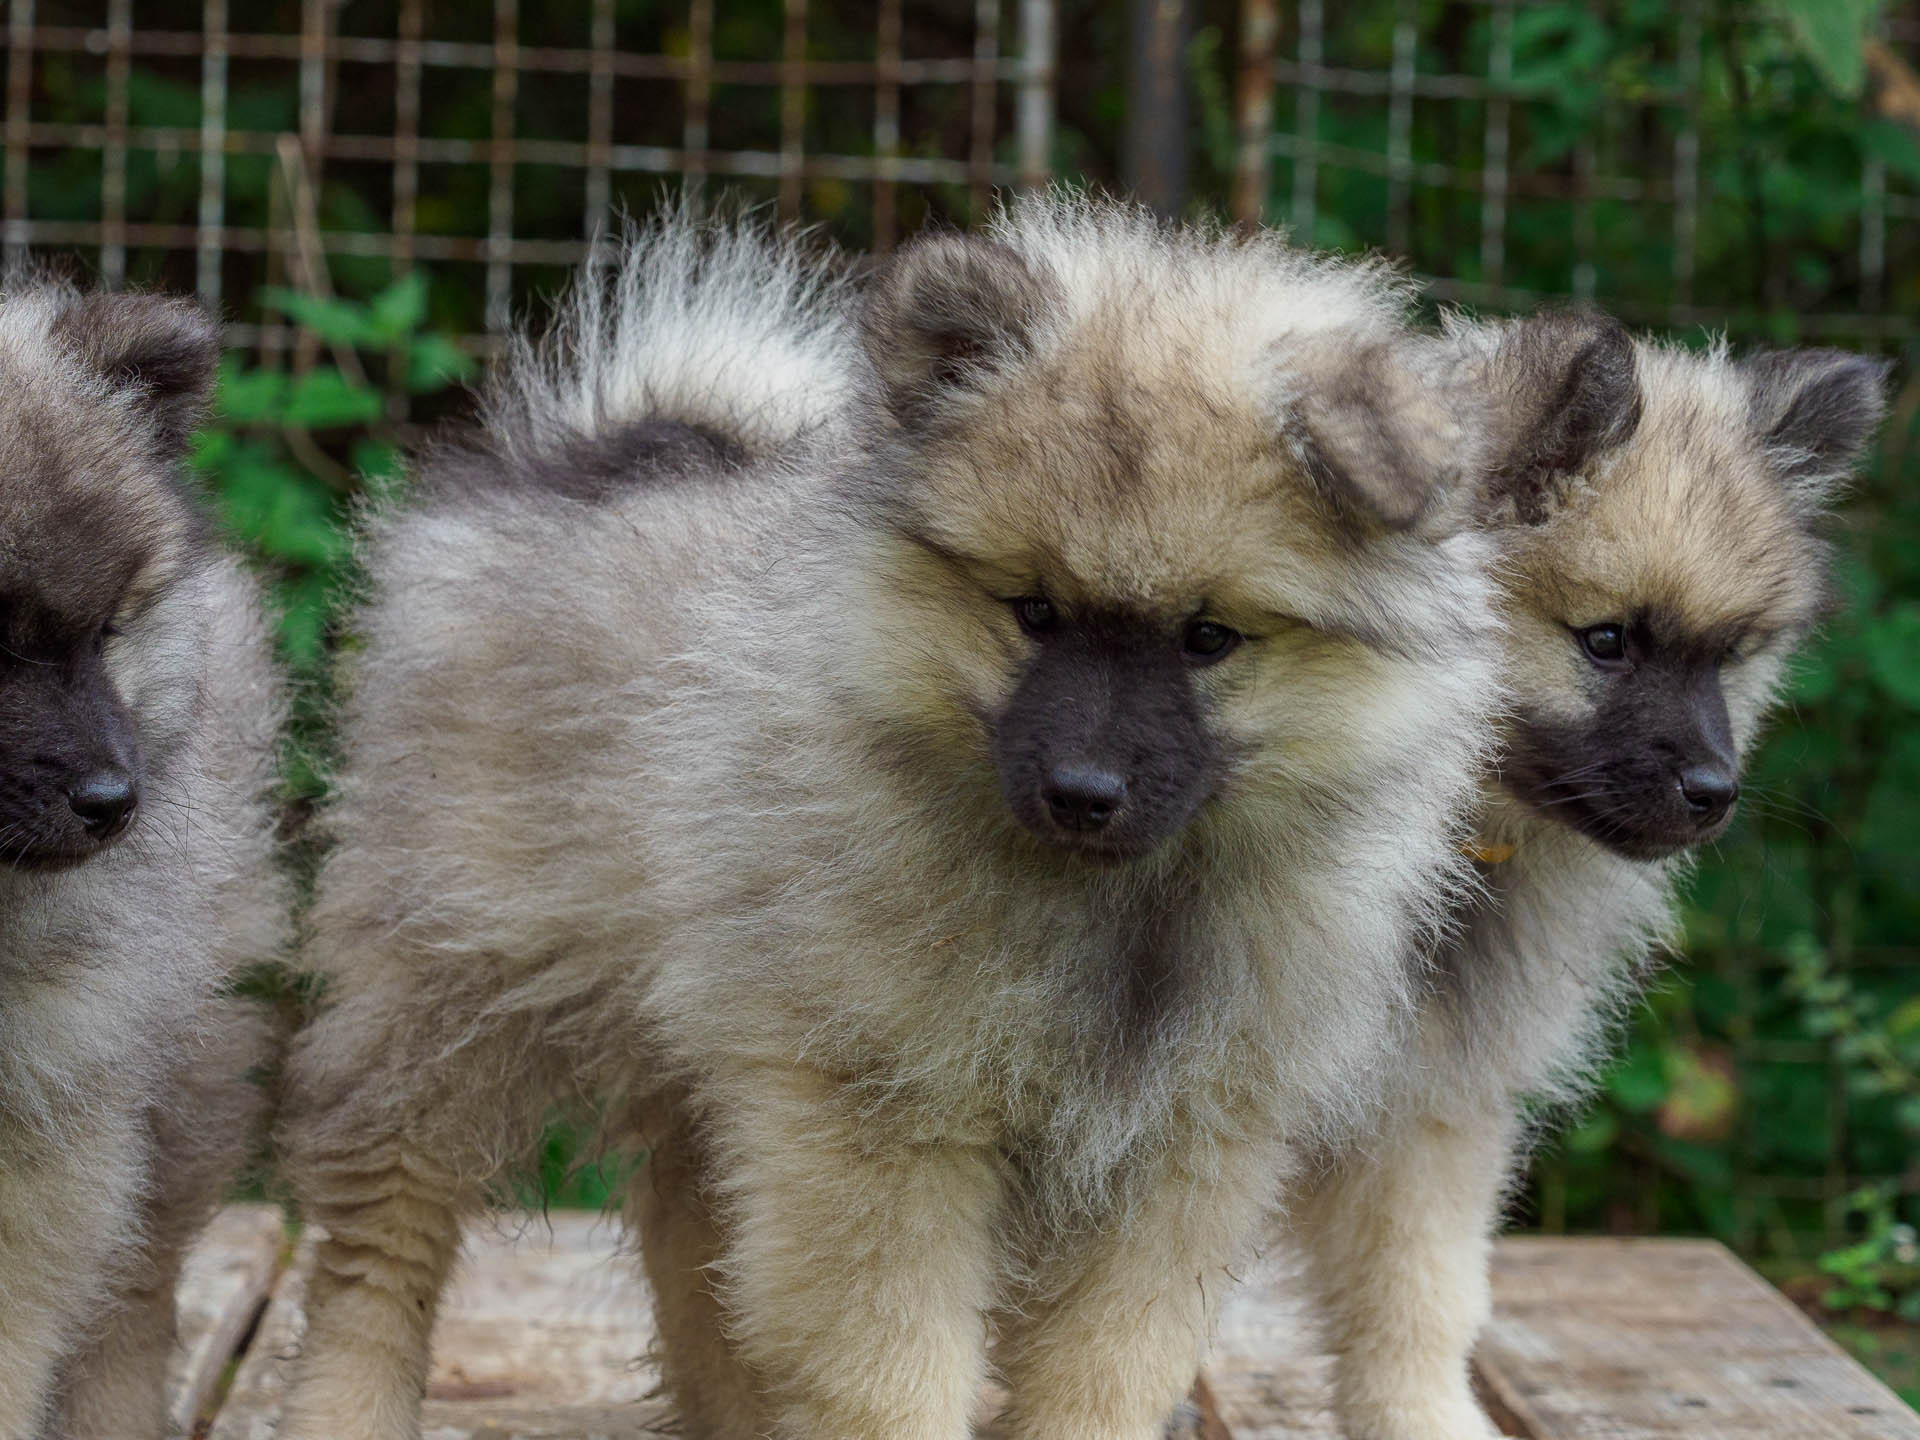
x,y
289,452
269,453
1882,1271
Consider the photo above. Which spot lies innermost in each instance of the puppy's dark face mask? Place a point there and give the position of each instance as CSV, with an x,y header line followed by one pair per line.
x,y
70,765
1103,748
1653,768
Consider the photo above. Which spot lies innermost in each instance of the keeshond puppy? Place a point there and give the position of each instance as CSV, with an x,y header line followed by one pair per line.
x,y
962,789
1658,573
139,711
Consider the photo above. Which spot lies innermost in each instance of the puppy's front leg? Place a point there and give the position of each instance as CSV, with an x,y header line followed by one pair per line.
x,y
670,1208
68,1217
1397,1242
1106,1346
858,1268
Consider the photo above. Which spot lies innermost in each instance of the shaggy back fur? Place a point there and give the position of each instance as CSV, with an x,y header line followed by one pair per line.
x,y
707,795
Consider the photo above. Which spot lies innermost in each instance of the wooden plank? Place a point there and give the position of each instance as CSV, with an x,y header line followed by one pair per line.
x,y
1646,1339
542,1336
223,1283
252,1407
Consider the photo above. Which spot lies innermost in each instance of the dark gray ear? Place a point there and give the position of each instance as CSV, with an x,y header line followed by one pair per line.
x,y
162,347
945,309
1814,411
1378,435
1564,390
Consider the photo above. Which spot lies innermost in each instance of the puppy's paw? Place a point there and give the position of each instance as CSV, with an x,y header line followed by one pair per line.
x,y
1440,1417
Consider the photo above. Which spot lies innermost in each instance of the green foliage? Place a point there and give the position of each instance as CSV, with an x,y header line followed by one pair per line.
x,y
287,453
1882,1271
1765,1091
1833,34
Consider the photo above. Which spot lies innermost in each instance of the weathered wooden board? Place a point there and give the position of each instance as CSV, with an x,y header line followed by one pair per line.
x,y
1646,1339
223,1284
544,1337
252,1408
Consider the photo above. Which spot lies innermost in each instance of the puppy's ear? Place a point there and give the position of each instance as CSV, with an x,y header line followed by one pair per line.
x,y
163,348
1379,432
1564,390
1814,411
946,310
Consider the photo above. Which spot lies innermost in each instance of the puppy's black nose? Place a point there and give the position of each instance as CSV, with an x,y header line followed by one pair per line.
x,y
1710,791
104,802
1083,798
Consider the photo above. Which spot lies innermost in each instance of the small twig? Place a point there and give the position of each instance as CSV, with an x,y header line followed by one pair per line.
x,y
313,261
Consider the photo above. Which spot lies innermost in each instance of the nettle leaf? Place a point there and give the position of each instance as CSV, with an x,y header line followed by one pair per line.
x,y
323,398
307,607
400,309
1893,143
342,322
435,362
1638,1083
1833,35
1891,824
1892,645
249,397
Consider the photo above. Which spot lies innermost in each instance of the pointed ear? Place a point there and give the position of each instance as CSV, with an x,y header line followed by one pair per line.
x,y
163,348
946,309
1814,411
1380,437
1564,390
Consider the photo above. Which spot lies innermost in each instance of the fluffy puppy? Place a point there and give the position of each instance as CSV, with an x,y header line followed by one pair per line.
x,y
1661,561
139,713
967,791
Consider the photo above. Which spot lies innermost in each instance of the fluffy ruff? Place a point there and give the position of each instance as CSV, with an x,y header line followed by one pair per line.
x,y
679,803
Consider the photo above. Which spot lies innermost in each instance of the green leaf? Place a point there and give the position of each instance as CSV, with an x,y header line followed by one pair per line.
x,y
399,310
1893,143
249,396
435,362
323,397
1832,34
1639,1082
1892,645
339,321
1593,1135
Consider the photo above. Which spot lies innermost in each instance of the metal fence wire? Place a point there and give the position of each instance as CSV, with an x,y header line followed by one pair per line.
x,y
266,143
220,145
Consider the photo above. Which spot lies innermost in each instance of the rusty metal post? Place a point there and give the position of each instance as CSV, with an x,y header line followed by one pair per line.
x,y
19,102
986,95
1035,122
886,124
793,109
1155,155
1253,107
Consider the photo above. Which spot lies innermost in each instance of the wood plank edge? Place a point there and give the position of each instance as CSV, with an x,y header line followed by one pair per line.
x,y
220,1345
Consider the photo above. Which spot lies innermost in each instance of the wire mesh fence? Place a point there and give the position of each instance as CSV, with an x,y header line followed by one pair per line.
x,y
1515,152
1518,155
218,151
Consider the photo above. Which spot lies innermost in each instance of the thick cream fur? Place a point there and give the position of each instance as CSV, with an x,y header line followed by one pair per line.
x,y
679,810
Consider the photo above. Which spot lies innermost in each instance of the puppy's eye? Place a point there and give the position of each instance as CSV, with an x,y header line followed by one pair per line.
x,y
1035,614
1208,640
1604,644
105,633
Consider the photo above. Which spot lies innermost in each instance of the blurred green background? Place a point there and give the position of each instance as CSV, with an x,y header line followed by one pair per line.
x,y
1702,167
